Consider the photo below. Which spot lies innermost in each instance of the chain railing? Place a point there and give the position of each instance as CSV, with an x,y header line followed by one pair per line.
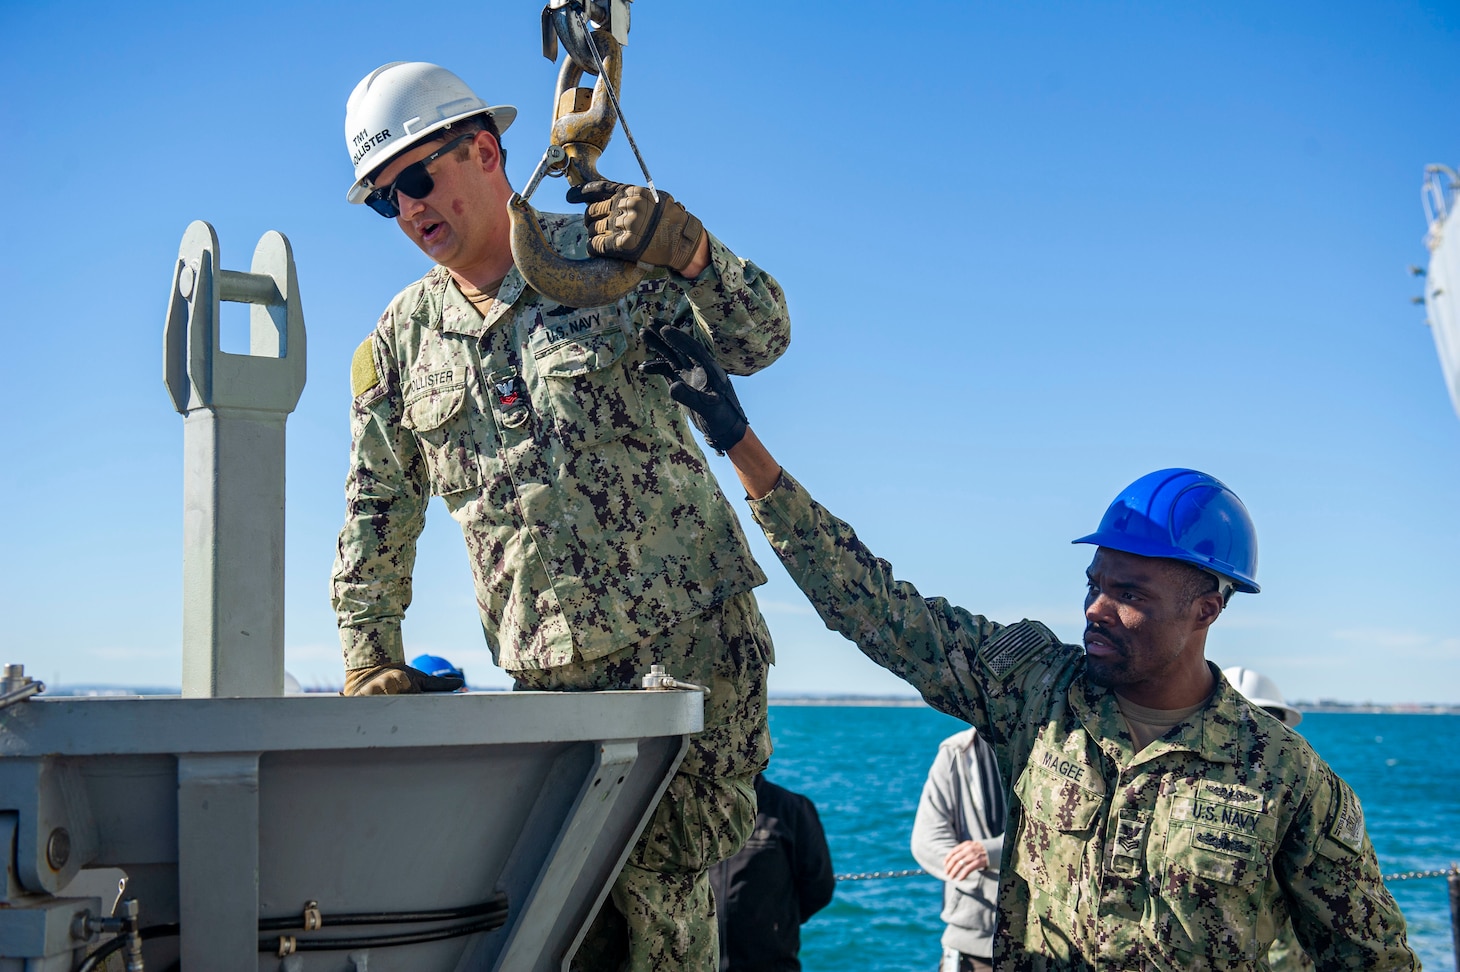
x,y
1411,875
919,872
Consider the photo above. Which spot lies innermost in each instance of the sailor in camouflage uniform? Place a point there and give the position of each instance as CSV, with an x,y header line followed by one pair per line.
x,y
1158,820
598,538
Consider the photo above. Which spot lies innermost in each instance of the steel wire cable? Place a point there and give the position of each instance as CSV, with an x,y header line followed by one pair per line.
x,y
491,907
95,959
490,915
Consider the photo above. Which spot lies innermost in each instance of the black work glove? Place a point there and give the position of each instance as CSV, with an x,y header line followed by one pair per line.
x,y
624,222
397,679
697,382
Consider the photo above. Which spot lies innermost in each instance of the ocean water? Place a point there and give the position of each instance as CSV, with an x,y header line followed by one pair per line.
x,y
864,768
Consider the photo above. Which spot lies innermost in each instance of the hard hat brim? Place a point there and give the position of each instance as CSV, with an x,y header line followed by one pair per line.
x,y
1144,547
502,115
1293,716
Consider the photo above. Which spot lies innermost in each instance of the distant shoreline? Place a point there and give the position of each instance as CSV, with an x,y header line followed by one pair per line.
x,y
864,701
1327,705
1372,708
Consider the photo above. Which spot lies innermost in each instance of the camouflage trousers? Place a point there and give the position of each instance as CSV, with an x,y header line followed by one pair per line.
x,y
1285,954
661,914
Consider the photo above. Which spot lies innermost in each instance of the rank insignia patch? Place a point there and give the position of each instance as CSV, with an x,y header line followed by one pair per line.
x,y
506,385
508,393
1130,834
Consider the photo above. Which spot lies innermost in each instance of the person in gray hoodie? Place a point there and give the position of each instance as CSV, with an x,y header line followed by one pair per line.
x,y
958,837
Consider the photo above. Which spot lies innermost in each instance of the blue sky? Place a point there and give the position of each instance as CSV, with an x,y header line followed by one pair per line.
x,y
1032,251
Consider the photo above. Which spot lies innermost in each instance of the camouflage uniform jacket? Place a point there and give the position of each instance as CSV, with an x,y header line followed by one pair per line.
x,y
591,518
1187,855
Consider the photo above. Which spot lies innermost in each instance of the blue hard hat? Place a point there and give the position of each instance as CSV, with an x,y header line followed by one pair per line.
x,y
1182,514
436,665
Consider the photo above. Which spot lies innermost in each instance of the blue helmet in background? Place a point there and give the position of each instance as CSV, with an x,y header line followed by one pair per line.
x,y
1182,514
436,665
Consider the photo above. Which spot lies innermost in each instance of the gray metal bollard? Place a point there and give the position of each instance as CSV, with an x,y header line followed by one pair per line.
x,y
234,408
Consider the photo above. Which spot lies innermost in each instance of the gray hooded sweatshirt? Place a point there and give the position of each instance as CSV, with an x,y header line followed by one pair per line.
x,y
963,800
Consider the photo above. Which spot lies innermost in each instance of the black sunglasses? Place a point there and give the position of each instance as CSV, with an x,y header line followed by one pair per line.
x,y
413,180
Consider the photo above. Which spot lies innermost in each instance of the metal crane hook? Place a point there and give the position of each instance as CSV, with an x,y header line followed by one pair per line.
x,y
583,122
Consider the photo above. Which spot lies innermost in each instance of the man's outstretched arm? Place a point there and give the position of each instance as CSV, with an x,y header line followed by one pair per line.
x,y
950,656
757,468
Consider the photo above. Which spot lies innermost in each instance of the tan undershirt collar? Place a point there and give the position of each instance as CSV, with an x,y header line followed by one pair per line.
x,y
1147,724
482,299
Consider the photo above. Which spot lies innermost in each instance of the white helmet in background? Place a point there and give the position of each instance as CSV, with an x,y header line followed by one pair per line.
x,y
1263,691
397,105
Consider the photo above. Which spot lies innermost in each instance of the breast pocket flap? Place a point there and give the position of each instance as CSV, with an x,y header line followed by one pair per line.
x,y
1056,801
434,409
583,355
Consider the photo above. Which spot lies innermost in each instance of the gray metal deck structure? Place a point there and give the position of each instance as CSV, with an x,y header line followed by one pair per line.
x,y
223,811
233,804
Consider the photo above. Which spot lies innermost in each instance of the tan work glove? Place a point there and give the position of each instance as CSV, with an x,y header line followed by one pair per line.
x,y
624,222
397,679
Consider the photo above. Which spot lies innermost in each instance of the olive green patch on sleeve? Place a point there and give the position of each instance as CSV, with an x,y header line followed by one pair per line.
x,y
363,375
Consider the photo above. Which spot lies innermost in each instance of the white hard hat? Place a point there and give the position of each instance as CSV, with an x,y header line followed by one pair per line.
x,y
1263,691
398,104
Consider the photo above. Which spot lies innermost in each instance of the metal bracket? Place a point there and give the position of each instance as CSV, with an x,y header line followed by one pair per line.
x,y
218,880
55,833
199,375
530,934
